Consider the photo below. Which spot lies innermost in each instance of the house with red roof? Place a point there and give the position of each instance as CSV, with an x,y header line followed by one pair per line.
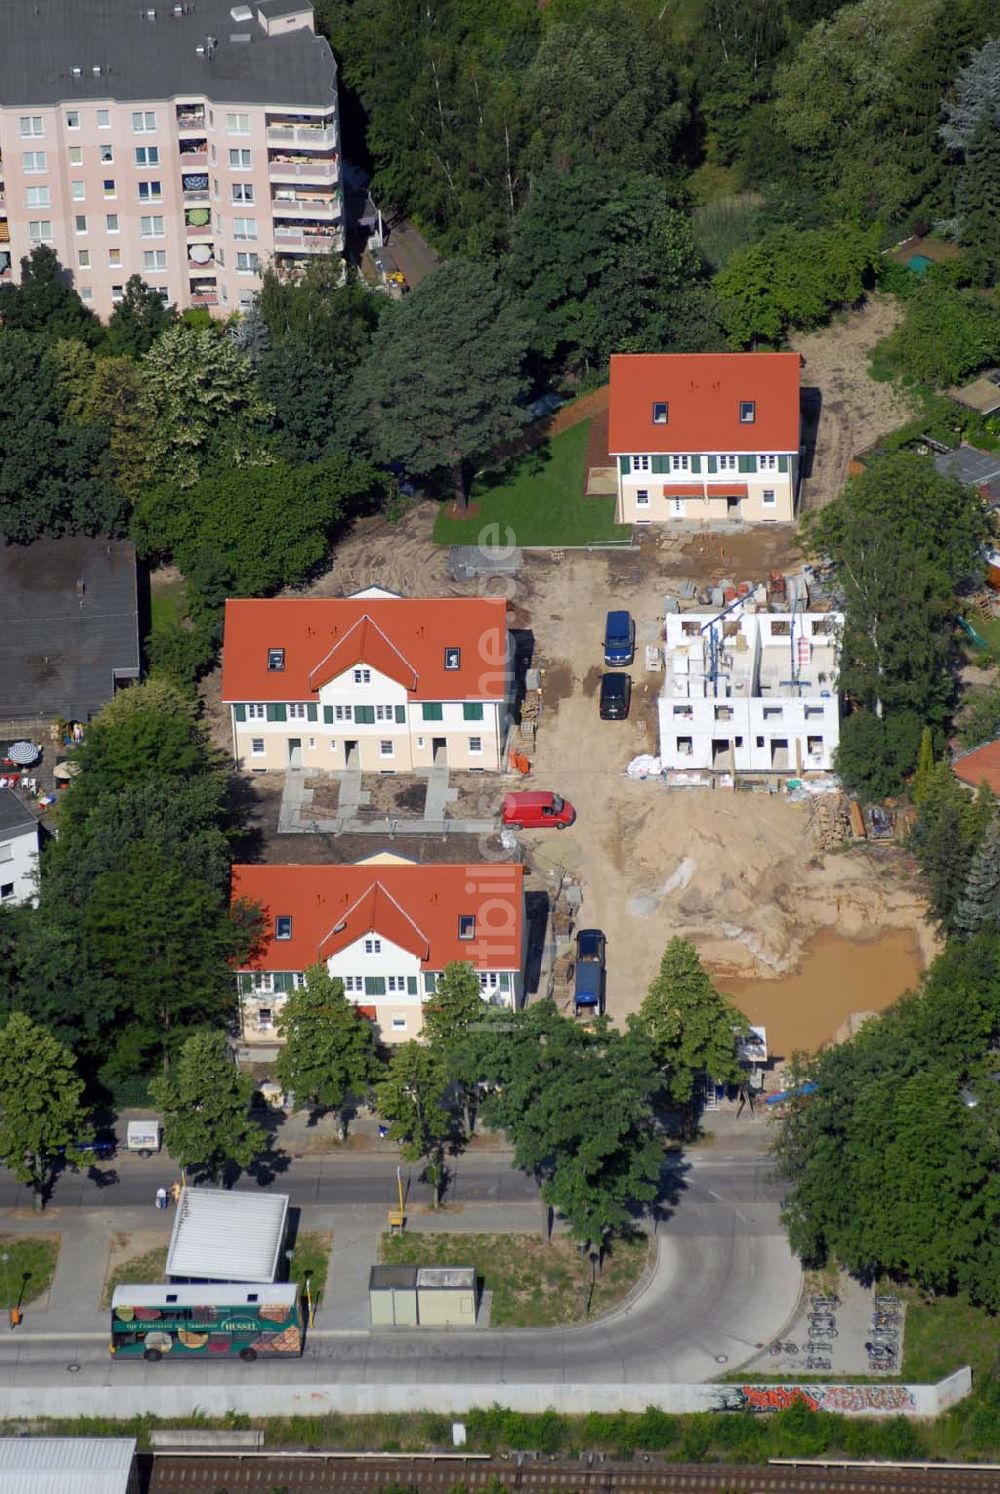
x,y
384,683
705,437
386,927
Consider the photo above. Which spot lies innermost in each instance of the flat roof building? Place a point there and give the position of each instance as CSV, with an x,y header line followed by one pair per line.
x,y
68,1465
223,1235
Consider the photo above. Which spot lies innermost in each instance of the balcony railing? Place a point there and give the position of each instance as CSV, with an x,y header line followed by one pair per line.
x,y
299,239
204,298
323,169
322,207
196,197
194,158
190,119
317,136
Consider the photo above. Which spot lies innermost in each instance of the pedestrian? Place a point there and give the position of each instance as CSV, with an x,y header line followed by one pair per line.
x,y
175,1192
161,1198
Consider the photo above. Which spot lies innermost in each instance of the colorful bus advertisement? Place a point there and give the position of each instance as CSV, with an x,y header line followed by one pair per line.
x,y
245,1321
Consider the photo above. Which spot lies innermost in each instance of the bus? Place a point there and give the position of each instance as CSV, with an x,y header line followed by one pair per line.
x,y
221,1321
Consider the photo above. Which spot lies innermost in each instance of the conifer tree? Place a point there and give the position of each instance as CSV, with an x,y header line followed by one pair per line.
x,y
979,906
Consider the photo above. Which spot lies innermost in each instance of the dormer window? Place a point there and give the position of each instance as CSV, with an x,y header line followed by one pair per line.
x,y
467,926
275,658
748,411
453,658
661,412
283,926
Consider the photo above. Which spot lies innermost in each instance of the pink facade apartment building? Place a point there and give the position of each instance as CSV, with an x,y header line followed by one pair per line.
x,y
190,143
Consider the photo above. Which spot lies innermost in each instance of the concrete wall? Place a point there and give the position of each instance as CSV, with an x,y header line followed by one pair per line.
x,y
268,1398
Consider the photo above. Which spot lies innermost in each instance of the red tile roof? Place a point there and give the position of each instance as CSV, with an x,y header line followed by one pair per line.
x,y
404,638
982,765
684,490
415,907
703,391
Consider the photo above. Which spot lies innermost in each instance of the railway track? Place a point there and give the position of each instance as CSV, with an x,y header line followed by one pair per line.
x,y
277,1473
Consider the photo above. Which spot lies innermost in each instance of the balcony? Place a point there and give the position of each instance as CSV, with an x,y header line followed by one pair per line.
x,y
316,206
317,136
288,166
201,259
194,153
204,292
310,237
194,186
198,223
190,117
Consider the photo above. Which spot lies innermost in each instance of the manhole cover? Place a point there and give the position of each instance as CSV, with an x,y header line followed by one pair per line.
x,y
722,1358
73,1368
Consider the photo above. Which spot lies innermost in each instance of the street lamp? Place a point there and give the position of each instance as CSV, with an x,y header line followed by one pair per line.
x,y
5,1262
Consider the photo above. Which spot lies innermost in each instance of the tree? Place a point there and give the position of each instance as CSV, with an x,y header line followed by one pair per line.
x,y
978,201
206,1109
45,303
945,334
979,906
413,1099
330,1055
139,318
925,766
442,383
979,721
948,832
451,1016
975,97
41,1109
876,753
691,1028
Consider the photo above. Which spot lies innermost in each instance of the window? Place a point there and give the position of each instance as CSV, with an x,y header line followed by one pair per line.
x,y
362,676
7,890
154,259
767,463
453,658
213,155
115,258
37,197
75,155
373,946
72,119
111,222
399,1024
150,192
814,712
467,925
239,160
77,191
110,190
263,980
773,713
384,713
255,713
276,658
760,741
685,746
147,155
238,124
297,711
40,232
642,498
257,746
661,412
768,498
386,748
727,464
242,191
343,713
35,160
247,263
475,746
80,223
143,122
640,464
244,228
748,412
83,259
684,711
151,228
117,294
29,125
814,746
7,852
107,155
283,926
104,119
353,983
489,980
396,983
680,463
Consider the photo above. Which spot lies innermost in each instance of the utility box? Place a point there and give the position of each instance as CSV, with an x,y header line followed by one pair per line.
x,y
422,1297
392,1296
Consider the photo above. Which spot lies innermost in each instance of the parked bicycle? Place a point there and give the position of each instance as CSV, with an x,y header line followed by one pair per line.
x,y
819,1332
819,1364
887,1301
821,1301
783,1348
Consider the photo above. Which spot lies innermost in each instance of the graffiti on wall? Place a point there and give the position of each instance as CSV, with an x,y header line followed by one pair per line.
x,y
851,1399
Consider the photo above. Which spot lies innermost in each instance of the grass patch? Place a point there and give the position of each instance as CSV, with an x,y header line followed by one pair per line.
x,y
537,500
535,1283
167,601
150,1267
312,1253
30,1265
944,1334
724,226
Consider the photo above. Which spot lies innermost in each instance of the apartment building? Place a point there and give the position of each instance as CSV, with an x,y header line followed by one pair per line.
x,y
189,143
750,691
375,681
705,437
386,927
19,846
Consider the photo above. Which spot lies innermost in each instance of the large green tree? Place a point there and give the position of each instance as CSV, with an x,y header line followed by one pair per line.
x,y
979,906
452,1015
413,1100
442,383
205,1105
946,334
138,319
45,303
691,1028
330,1057
42,1114
947,836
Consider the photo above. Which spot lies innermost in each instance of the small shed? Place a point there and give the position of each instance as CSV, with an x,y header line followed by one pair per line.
x,y
68,1465
423,1297
225,1235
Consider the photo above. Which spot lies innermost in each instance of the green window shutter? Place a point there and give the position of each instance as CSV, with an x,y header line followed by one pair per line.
x,y
430,982
411,985
244,982
400,715
282,980
659,464
696,464
374,985
747,463
276,712
364,715
782,464
240,712
623,466
433,711
328,715
505,980
311,712
713,464
472,711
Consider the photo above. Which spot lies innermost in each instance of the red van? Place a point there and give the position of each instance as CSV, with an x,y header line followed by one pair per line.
x,y
536,811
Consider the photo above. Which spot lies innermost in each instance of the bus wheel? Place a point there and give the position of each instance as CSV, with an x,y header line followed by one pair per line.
x,y
153,1355
248,1354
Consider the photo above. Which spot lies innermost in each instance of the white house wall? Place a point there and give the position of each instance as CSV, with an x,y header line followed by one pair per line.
x,y
18,866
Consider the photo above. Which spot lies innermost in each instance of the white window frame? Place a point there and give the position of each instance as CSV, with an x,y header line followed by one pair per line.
x,y
72,119
257,747
242,192
235,127
40,231
112,223
727,463
107,155
146,193
247,263
80,223
78,191
768,463
640,464
353,985
362,676
386,747
373,946
147,155
642,498
240,159
104,119
152,232
475,746
115,258
83,259
30,127
245,230
769,498
37,197
680,463
143,122
399,1024
75,155
489,980
154,259
262,982
343,713
297,711
395,985
33,156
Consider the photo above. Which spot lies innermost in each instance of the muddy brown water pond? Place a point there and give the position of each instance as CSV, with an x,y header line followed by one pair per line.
x,y
836,976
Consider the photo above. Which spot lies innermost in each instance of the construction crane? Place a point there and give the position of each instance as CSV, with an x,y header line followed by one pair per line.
x,y
713,641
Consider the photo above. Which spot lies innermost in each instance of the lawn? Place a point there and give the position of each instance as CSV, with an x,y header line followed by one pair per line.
x,y
167,598
312,1253
941,1336
535,1283
536,500
149,1267
27,1266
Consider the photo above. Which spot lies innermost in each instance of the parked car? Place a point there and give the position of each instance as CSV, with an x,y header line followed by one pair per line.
x,y
536,811
616,696
588,986
619,638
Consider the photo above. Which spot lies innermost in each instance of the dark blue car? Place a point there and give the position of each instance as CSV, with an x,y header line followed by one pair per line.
x,y
619,638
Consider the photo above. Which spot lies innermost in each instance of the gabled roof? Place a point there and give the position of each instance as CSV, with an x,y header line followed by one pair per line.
x,y
15,817
404,638
703,392
416,907
981,765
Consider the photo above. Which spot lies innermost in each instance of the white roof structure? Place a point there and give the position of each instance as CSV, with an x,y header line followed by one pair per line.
x,y
66,1465
220,1235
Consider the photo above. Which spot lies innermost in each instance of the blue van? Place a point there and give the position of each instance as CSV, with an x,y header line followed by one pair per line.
x,y
619,638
